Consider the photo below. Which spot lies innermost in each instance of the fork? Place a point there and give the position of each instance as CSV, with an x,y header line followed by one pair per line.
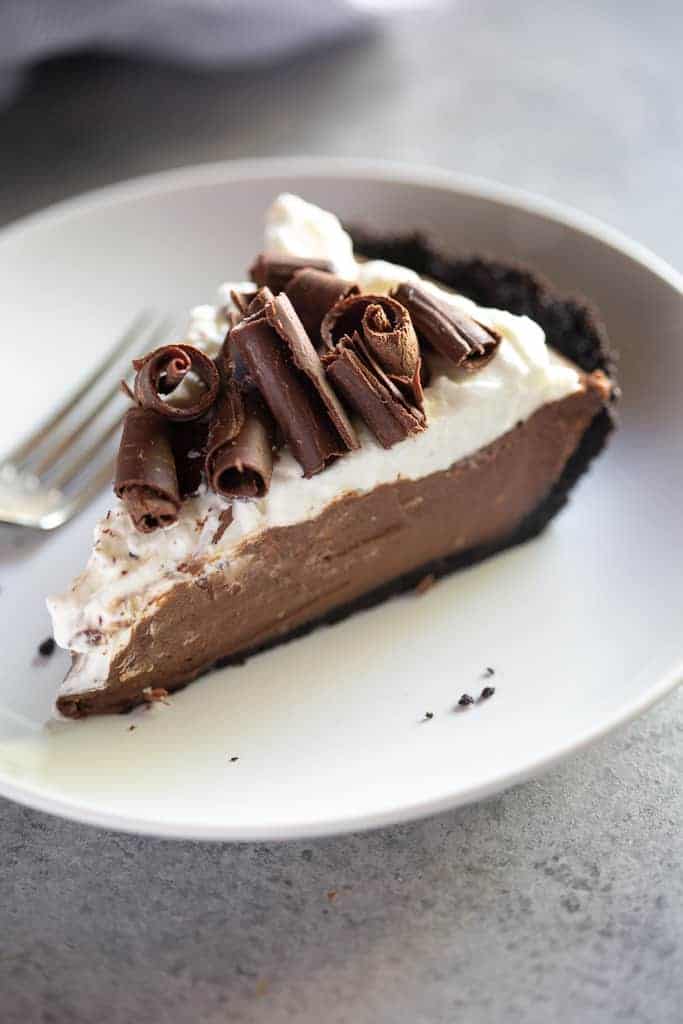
x,y
44,481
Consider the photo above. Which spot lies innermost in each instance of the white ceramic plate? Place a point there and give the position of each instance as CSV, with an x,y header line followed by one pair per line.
x,y
582,626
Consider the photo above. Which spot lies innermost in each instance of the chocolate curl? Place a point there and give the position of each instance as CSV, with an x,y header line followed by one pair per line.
x,y
229,361
369,391
276,271
146,479
387,331
160,372
239,462
457,336
282,316
188,440
249,302
241,300
260,300
287,371
313,293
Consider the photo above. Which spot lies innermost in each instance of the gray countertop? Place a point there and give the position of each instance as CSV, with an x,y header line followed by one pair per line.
x,y
559,901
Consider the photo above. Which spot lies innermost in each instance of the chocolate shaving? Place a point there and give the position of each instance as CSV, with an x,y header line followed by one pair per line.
x,y
146,479
161,372
370,393
239,461
387,330
457,336
313,293
224,521
276,271
287,371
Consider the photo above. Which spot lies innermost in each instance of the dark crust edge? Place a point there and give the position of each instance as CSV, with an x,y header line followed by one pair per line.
x,y
572,327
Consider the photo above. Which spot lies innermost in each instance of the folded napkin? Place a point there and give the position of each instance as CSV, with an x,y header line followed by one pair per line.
x,y
201,33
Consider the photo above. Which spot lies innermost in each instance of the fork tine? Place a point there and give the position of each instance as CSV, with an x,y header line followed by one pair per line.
x,y
140,323
77,465
52,456
58,450
81,499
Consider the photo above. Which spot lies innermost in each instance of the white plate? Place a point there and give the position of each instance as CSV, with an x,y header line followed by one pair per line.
x,y
582,626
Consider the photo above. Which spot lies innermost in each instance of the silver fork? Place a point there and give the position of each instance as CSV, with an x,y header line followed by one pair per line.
x,y
45,481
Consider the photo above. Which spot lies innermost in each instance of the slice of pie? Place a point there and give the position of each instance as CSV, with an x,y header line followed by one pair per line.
x,y
329,434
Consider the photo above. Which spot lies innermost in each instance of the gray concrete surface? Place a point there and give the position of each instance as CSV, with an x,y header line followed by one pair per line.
x,y
560,901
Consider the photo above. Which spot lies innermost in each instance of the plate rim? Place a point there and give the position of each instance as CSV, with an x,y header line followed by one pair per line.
x,y
262,168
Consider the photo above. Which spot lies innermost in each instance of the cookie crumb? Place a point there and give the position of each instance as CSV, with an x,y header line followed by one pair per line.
x,y
465,700
425,584
332,895
488,672
234,758
487,692
428,716
47,647
130,728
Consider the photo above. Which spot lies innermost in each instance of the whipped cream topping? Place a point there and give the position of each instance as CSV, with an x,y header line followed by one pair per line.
x,y
128,571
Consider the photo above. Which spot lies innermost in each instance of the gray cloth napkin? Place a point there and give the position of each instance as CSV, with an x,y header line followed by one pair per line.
x,y
202,33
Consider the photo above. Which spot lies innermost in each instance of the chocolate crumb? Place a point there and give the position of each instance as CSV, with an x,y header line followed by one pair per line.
x,y
234,758
487,692
224,521
130,728
428,716
465,701
488,672
425,584
131,554
154,693
47,647
93,636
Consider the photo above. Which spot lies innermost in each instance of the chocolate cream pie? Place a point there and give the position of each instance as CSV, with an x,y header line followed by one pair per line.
x,y
329,434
